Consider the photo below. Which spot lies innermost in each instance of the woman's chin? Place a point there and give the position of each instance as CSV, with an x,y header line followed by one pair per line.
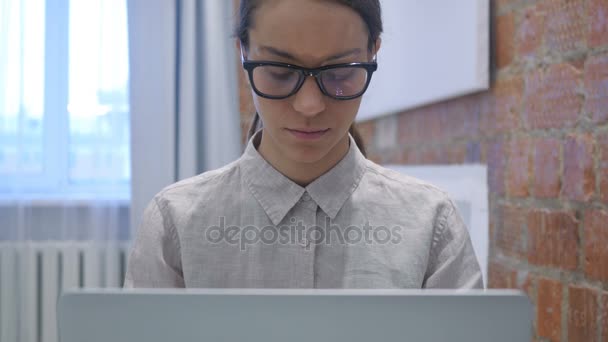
x,y
312,153
306,154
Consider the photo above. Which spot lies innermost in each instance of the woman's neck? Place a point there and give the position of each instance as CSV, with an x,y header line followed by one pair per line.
x,y
299,172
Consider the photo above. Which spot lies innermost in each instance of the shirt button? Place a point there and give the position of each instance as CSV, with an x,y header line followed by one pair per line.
x,y
306,197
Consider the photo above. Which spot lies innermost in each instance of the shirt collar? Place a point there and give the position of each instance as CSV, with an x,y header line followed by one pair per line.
x,y
277,194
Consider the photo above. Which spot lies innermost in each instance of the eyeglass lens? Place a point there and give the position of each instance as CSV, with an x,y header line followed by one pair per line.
x,y
281,81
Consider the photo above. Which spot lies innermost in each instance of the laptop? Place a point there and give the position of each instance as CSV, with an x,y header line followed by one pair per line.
x,y
273,315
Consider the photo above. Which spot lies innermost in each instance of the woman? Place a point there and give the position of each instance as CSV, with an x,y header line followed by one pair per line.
x,y
303,207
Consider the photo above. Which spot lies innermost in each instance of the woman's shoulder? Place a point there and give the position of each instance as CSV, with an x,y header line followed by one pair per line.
x,y
202,185
402,185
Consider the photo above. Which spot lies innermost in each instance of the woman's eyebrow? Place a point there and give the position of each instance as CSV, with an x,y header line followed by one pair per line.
x,y
348,53
285,54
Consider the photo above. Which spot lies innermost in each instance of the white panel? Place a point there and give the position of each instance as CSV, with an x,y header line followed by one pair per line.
x,y
50,282
28,280
70,269
188,92
92,267
152,96
220,112
431,50
8,294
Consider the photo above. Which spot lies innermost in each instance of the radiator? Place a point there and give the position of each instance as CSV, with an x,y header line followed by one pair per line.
x,y
34,274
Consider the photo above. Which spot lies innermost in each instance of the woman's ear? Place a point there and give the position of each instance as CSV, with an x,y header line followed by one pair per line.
x,y
377,45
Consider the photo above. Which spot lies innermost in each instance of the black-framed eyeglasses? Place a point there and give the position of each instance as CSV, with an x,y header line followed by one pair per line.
x,y
275,80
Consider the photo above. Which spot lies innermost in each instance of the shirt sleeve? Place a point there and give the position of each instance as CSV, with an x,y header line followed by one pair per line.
x,y
155,258
452,263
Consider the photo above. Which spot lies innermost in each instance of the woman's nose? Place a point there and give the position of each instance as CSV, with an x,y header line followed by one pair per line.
x,y
309,100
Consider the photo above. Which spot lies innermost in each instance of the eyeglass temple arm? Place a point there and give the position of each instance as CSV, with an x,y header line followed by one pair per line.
x,y
242,53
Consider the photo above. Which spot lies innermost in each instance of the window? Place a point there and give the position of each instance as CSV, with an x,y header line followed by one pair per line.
x,y
64,109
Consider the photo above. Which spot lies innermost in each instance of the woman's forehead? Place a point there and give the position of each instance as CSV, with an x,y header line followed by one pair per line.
x,y
307,29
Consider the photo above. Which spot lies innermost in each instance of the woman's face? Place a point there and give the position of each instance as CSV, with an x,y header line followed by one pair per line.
x,y
308,33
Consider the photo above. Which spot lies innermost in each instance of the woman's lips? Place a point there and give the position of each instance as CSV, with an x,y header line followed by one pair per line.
x,y
308,134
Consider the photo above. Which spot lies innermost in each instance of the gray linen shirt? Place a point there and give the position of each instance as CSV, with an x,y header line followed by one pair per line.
x,y
246,225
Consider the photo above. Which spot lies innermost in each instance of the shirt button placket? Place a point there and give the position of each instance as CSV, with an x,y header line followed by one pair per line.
x,y
306,246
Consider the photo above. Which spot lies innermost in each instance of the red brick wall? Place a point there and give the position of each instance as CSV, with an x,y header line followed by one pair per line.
x,y
542,130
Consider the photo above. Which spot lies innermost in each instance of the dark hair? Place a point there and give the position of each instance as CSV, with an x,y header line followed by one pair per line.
x,y
370,12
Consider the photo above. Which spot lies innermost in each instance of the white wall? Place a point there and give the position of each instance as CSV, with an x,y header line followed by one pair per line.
x,y
431,50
